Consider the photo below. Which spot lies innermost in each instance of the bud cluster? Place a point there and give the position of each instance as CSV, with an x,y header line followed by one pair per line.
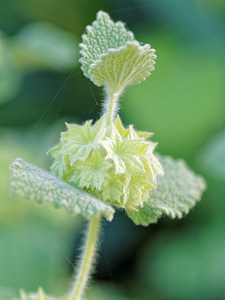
x,y
115,164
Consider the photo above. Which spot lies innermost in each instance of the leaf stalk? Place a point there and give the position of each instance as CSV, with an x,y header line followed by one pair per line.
x,y
111,106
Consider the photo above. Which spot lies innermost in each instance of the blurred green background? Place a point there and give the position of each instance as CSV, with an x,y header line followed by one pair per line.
x,y
183,102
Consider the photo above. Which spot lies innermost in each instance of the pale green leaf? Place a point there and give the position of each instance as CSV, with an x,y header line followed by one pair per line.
x,y
176,193
33,183
93,171
80,141
101,36
124,66
111,57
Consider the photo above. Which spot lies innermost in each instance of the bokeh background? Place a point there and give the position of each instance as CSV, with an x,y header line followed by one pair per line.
x,y
183,102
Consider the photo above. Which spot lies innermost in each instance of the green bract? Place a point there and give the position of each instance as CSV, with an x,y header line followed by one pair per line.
x,y
115,164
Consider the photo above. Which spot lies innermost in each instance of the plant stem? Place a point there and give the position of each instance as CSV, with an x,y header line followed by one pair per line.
x,y
111,107
92,233
87,260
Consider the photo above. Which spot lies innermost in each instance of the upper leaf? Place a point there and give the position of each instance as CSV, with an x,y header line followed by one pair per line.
x,y
111,57
33,183
125,66
176,193
103,35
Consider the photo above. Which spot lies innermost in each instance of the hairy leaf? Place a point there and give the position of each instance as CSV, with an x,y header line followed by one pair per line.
x,y
33,183
124,66
176,193
103,35
111,57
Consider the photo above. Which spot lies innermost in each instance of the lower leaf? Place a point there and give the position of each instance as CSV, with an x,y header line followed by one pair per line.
x,y
176,193
33,183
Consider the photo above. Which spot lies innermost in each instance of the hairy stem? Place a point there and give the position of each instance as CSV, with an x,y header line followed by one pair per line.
x,y
111,106
87,260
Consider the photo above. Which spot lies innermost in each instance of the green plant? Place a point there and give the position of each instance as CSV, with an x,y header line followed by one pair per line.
x,y
104,165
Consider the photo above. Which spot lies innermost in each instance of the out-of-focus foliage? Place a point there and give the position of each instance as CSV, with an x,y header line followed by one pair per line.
x,y
69,15
36,46
186,265
8,293
185,98
212,157
183,103
106,292
211,161
9,78
195,21
43,45
30,246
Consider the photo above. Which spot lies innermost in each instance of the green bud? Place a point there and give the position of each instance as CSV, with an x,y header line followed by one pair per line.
x,y
115,164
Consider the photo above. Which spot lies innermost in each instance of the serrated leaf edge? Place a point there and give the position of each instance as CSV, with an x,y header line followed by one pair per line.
x,y
107,212
88,29
111,50
183,209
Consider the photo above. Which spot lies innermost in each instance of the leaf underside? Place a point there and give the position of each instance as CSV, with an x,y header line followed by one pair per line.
x,y
102,35
35,184
125,66
176,193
